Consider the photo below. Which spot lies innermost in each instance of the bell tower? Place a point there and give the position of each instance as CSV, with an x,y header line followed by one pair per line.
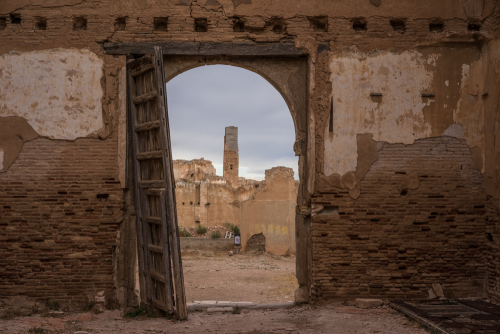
x,y
231,155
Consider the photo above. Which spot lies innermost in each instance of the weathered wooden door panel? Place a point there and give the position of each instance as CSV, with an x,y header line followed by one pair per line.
x,y
160,266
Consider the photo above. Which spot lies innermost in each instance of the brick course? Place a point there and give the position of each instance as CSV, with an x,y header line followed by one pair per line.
x,y
394,242
60,208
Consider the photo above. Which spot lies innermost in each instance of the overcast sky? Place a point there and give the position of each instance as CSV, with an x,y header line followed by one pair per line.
x,y
204,100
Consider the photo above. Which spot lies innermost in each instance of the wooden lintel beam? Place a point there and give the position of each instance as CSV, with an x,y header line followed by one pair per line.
x,y
205,49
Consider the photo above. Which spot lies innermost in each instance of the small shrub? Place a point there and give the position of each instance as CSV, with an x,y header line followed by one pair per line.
x,y
140,311
232,227
236,229
184,234
200,229
37,330
215,235
236,310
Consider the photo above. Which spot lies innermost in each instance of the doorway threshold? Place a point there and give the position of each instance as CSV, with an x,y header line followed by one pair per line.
x,y
228,306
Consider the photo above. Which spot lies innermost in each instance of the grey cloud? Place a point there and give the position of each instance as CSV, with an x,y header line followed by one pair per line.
x,y
203,101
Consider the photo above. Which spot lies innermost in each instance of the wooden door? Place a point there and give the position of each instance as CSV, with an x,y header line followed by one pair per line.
x,y
160,265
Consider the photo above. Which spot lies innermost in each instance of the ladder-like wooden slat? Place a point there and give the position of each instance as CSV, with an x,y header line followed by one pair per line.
x,y
156,249
154,192
141,251
145,97
171,228
157,276
149,155
151,183
160,305
157,231
141,69
147,126
154,220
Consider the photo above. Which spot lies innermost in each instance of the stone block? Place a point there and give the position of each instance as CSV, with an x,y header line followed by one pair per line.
x,y
368,303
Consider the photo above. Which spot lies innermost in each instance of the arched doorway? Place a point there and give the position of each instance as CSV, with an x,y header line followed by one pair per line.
x,y
202,102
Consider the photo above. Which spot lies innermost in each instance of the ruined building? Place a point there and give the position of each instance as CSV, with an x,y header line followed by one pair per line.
x,y
395,108
266,207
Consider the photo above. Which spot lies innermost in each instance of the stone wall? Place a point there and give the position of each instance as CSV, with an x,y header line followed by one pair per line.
x,y
271,211
379,87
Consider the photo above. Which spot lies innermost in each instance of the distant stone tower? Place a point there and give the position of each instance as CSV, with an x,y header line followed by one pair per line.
x,y
231,156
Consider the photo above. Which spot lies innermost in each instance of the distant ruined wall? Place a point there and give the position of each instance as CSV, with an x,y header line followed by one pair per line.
x,y
271,211
395,107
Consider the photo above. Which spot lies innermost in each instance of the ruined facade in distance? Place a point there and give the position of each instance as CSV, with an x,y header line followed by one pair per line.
x,y
266,207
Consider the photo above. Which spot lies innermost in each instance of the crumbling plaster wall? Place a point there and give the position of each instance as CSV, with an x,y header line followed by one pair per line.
x,y
271,211
324,30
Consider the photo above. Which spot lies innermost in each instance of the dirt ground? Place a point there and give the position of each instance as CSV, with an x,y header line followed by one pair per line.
x,y
333,318
259,279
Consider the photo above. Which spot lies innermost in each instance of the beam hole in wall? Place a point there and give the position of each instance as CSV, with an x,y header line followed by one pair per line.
x,y
102,197
40,23
202,102
277,24
474,25
79,23
436,25
201,25
238,25
15,18
160,24
359,24
399,25
319,23
120,23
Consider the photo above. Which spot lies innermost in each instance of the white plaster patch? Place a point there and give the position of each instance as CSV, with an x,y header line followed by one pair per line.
x,y
454,130
57,91
1,158
398,118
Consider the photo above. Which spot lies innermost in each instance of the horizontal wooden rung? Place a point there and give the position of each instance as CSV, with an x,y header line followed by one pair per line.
x,y
142,68
154,192
154,220
156,249
147,126
149,155
157,276
145,97
152,184
161,305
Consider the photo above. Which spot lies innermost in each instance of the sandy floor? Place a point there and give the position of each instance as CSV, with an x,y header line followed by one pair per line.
x,y
251,278
217,276
325,319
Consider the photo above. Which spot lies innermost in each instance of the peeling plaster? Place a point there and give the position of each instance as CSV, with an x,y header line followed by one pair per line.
x,y
397,118
470,108
57,91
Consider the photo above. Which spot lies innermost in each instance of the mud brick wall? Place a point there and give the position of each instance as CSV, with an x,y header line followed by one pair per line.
x,y
419,219
60,206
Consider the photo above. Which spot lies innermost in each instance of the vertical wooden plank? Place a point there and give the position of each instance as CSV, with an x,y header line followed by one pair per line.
x,y
169,291
137,191
171,210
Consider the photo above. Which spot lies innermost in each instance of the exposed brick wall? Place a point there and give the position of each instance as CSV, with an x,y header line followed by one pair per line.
x,y
394,242
493,255
60,207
